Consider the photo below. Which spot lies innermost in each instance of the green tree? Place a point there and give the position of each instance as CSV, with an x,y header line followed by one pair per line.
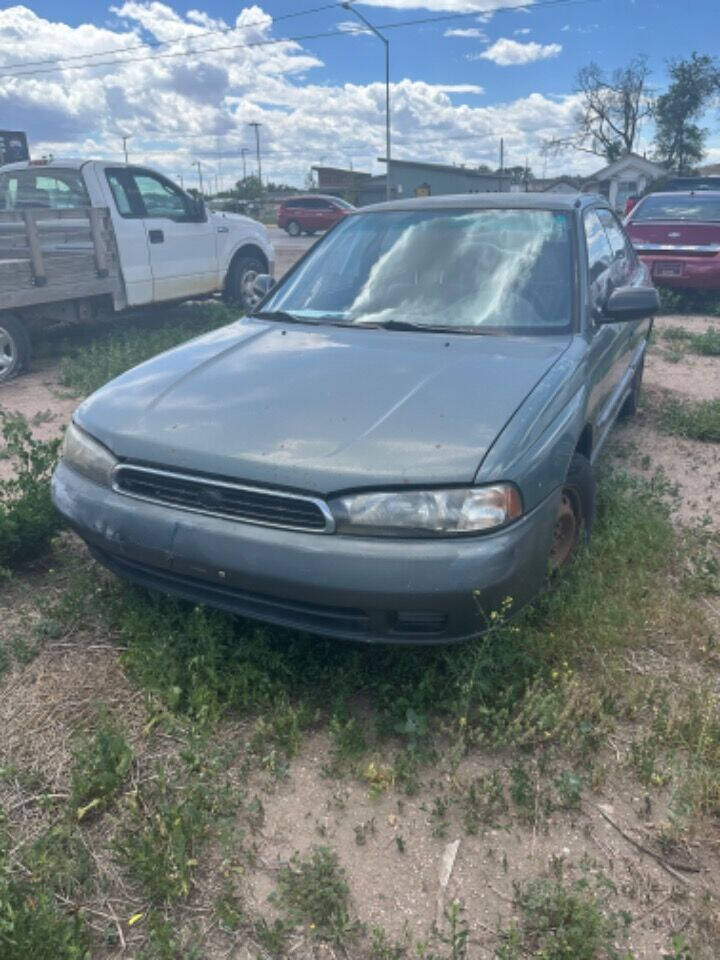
x,y
679,140
611,108
249,188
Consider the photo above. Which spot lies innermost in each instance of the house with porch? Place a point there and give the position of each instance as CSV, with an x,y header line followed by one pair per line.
x,y
622,178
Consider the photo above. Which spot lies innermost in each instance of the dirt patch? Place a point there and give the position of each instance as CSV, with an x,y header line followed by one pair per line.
x,y
392,848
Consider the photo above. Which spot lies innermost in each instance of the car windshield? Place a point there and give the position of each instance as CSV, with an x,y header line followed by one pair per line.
x,y
482,271
695,207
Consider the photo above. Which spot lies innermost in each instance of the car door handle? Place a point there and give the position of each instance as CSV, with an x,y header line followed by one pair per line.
x,y
223,229
156,236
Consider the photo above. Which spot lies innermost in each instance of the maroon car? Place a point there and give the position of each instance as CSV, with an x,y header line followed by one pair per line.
x,y
678,236
312,213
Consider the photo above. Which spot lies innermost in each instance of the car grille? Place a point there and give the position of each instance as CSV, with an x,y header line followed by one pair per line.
x,y
223,499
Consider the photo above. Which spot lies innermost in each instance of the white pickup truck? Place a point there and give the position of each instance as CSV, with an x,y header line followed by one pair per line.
x,y
87,238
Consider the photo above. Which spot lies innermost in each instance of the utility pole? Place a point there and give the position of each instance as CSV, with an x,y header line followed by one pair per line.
x,y
196,163
182,180
243,151
502,162
125,139
256,127
347,4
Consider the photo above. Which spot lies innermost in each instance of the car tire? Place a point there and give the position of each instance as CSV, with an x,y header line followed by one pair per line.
x,y
575,514
632,402
293,228
240,279
14,347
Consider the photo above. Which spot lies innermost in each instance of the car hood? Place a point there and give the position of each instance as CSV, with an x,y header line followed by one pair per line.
x,y
321,408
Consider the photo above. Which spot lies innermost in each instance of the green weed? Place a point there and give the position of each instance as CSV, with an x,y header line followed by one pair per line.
x,y
707,343
689,301
28,520
32,926
101,762
559,922
170,822
313,892
111,354
696,420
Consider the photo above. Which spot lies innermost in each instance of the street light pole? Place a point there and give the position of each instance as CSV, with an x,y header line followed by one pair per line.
x,y
125,140
257,126
347,4
196,163
243,151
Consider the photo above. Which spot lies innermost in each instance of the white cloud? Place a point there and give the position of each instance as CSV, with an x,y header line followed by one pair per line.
x,y
466,32
522,32
507,53
197,106
353,26
565,28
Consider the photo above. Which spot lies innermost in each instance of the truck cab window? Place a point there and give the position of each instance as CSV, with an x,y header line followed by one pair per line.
x,y
160,198
29,189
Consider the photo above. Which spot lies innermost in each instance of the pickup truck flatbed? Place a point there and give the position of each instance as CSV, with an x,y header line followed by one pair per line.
x,y
86,238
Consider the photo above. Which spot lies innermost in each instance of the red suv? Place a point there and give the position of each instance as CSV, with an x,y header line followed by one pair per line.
x,y
309,214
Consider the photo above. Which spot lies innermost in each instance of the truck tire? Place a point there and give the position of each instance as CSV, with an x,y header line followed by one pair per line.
x,y
240,279
576,512
14,347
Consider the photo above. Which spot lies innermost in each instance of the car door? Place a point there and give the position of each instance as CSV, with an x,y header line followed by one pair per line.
x,y
608,343
127,216
327,214
182,243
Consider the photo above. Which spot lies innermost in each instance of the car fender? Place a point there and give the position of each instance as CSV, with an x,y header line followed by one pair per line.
x,y
244,232
535,447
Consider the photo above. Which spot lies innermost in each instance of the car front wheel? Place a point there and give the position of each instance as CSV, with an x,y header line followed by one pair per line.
x,y
575,512
240,283
293,228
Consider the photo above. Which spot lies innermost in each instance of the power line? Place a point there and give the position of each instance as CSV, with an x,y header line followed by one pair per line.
x,y
163,43
274,42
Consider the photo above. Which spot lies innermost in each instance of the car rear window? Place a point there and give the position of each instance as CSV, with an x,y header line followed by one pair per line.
x,y
694,207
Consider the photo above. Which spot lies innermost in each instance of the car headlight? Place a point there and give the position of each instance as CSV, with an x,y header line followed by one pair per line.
x,y
87,456
428,513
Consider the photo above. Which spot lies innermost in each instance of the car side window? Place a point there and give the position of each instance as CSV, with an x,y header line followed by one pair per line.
x,y
600,257
623,257
160,198
120,194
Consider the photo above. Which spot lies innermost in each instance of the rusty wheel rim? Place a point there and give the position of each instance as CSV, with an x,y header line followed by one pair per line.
x,y
567,529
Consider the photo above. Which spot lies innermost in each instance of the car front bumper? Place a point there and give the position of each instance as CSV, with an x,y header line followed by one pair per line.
x,y
367,589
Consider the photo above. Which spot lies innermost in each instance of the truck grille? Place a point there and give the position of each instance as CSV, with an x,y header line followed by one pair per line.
x,y
219,498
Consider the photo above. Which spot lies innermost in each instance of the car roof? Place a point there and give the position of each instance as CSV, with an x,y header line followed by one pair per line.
x,y
488,201
310,196
674,194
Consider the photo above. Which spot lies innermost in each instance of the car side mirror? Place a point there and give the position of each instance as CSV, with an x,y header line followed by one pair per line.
x,y
198,213
630,303
263,284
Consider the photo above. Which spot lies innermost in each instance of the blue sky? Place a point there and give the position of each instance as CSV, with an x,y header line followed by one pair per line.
x,y
458,84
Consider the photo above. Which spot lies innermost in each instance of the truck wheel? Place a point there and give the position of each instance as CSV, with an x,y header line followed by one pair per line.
x,y
14,347
576,512
293,228
241,277
629,408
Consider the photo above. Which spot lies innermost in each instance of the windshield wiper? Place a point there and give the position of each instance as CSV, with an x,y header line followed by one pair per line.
x,y
420,327
283,316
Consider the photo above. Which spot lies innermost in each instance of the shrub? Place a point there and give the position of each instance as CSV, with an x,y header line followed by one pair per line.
x,y
28,519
